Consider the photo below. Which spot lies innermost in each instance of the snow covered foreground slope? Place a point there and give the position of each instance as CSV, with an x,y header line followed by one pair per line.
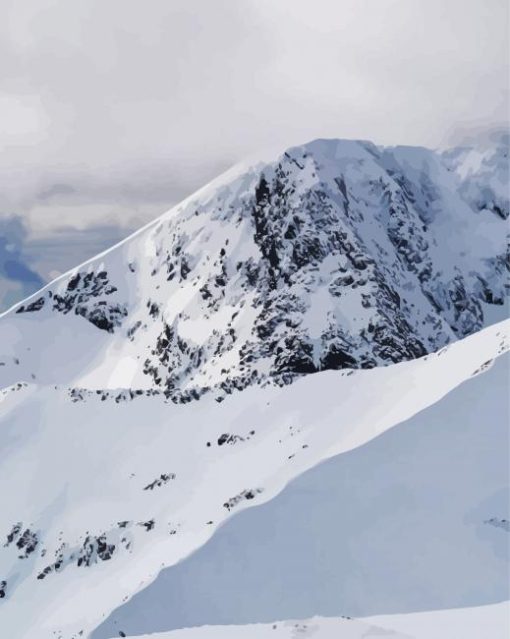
x,y
99,496
417,519
318,628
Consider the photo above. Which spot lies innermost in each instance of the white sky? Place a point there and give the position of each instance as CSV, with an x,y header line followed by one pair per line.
x,y
113,110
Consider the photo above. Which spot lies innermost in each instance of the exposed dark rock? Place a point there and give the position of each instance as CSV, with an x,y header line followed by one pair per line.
x,y
245,494
160,481
27,543
148,525
33,306
13,534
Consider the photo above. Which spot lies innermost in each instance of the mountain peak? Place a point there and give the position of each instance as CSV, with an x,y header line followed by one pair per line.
x,y
335,254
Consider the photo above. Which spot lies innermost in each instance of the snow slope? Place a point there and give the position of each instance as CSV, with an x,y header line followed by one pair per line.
x,y
319,628
484,174
468,623
413,520
105,494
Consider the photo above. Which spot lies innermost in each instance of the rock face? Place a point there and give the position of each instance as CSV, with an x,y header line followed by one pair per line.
x,y
335,254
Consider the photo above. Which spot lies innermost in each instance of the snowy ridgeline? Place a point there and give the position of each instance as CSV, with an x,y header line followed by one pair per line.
x,y
100,496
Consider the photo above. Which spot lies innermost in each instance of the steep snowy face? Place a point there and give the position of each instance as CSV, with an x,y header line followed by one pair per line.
x,y
484,175
336,254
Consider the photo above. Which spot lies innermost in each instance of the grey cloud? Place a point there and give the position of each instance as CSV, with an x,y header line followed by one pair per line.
x,y
480,136
17,277
28,262
64,249
130,106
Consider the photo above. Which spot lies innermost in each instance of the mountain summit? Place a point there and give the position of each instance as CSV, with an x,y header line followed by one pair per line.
x,y
336,254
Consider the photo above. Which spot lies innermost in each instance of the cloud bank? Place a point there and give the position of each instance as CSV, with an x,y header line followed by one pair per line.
x,y
113,111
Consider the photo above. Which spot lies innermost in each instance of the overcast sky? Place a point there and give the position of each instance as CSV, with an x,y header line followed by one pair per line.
x,y
113,110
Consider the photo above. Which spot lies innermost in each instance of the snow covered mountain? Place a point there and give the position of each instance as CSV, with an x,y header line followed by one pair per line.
x,y
334,255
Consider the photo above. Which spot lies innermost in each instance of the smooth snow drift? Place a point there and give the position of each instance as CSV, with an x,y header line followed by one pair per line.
x,y
413,520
